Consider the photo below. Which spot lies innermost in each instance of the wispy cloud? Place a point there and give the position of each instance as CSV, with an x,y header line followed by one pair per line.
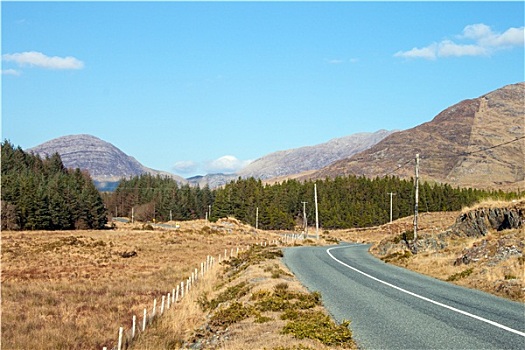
x,y
11,72
475,40
226,164
341,61
185,167
38,59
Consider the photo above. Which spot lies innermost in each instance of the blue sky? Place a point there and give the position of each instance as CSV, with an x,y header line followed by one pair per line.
x,y
202,87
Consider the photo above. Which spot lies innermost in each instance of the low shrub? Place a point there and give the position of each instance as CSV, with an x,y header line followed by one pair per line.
x,y
460,275
234,313
316,325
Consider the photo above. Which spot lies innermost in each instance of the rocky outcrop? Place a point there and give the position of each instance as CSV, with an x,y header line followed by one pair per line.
x,y
494,251
478,222
473,223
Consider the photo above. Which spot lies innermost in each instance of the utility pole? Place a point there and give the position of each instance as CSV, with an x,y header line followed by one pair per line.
x,y
171,215
305,220
257,218
316,213
209,212
391,194
417,197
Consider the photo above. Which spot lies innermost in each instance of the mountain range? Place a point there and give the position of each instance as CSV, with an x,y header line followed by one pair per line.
x,y
478,142
294,161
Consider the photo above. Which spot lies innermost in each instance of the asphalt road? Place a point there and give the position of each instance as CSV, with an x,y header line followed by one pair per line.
x,y
394,308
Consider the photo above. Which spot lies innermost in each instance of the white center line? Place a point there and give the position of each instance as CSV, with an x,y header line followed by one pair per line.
x,y
420,296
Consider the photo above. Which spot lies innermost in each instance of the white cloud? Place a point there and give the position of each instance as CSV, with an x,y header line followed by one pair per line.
x,y
11,72
38,59
226,164
335,61
341,61
483,42
428,52
185,167
448,48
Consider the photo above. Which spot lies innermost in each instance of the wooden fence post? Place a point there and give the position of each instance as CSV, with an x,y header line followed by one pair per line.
x,y
154,307
162,304
144,319
182,289
177,294
173,295
120,333
133,327
169,300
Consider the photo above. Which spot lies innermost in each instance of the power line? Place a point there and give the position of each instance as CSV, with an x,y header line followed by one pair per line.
x,y
481,150
457,154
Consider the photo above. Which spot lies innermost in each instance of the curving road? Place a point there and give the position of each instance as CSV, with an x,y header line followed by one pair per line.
x,y
394,308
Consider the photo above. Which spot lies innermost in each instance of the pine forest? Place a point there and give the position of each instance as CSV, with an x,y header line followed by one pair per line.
x,y
41,194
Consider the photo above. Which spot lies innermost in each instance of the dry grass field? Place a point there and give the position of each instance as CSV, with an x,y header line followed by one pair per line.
x,y
73,289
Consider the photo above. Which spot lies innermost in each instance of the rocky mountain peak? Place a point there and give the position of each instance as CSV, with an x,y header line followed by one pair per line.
x,y
474,143
103,161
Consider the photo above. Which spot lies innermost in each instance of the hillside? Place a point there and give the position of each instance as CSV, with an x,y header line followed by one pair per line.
x,y
103,161
475,143
315,157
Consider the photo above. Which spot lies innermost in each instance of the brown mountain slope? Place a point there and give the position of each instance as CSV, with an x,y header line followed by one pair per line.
x,y
475,143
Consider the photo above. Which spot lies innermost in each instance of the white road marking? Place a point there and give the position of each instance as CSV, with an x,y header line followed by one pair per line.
x,y
420,296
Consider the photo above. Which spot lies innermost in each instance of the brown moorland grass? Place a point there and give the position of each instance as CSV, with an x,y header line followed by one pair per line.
x,y
74,289
240,308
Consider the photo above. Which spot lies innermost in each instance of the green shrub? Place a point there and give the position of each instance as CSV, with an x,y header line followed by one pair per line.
x,y
405,255
231,293
460,275
232,314
283,299
317,325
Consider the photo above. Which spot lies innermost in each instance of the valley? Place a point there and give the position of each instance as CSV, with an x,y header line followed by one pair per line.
x,y
63,289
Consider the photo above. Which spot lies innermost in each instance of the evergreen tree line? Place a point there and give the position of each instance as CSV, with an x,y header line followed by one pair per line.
x,y
41,194
158,198
343,202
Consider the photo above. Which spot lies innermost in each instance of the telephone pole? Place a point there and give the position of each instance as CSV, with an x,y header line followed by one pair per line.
x,y
316,213
391,194
417,197
304,218
257,218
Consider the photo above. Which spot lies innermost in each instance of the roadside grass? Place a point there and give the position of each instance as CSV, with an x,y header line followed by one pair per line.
x,y
245,308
